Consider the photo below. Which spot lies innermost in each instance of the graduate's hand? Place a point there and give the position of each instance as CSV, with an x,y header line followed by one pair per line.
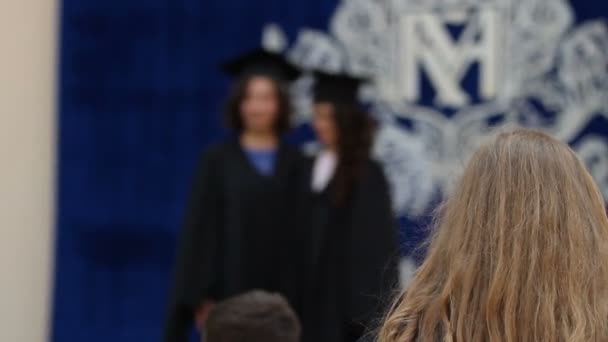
x,y
203,313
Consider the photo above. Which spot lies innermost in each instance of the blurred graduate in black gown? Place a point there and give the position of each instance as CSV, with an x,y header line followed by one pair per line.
x,y
351,255
235,228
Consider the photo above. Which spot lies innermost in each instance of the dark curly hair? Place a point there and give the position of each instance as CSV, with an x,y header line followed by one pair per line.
x,y
355,135
232,110
253,316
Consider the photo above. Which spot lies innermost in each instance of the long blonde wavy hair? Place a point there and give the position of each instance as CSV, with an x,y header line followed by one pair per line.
x,y
520,252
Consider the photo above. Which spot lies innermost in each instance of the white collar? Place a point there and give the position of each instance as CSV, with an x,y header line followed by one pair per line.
x,y
323,170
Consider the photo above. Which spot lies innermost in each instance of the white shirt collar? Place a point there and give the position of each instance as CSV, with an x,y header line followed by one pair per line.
x,y
323,170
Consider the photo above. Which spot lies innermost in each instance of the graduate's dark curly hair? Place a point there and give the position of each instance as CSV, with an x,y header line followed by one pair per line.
x,y
355,135
232,110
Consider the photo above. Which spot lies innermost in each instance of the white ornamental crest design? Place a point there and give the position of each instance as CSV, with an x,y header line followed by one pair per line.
x,y
533,68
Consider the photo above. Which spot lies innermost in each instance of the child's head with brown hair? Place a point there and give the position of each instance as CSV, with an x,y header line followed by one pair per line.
x,y
252,317
520,252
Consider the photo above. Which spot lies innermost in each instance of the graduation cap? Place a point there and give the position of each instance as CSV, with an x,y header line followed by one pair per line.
x,y
336,87
263,63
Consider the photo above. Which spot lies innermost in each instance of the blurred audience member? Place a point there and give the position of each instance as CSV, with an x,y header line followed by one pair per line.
x,y
255,316
520,253
235,231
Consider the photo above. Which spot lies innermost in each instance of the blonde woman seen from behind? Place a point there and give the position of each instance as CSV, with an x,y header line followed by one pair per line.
x,y
520,252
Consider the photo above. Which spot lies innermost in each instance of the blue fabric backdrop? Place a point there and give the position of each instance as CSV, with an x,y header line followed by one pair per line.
x,y
140,97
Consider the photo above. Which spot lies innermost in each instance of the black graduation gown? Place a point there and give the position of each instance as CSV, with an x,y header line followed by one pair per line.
x,y
351,258
234,238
